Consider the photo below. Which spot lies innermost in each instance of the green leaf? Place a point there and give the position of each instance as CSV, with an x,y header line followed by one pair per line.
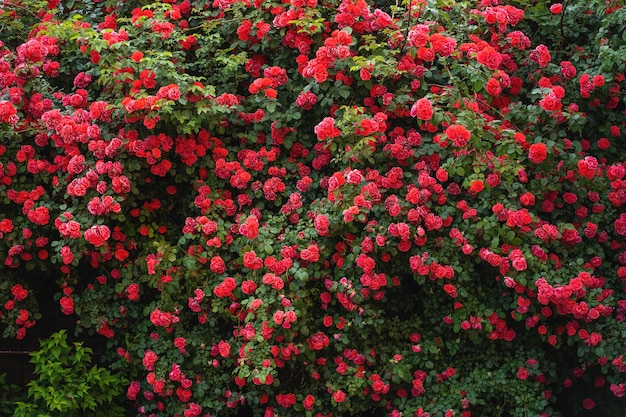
x,y
189,262
404,373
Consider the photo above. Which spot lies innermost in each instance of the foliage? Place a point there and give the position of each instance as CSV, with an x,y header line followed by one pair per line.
x,y
325,206
9,394
67,385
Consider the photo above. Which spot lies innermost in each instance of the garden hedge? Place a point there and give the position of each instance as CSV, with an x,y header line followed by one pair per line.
x,y
318,207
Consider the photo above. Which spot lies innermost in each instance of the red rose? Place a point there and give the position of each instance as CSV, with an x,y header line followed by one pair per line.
x,y
477,186
224,349
248,287
217,265
326,129
310,254
133,292
597,80
318,341
570,198
537,153
458,135
67,256
568,70
67,305
541,55
550,102
522,373
183,394
489,57
149,359
6,226
422,109
493,87
556,8
339,396
97,235
527,199
450,290
588,166
39,216
589,404
309,402
19,292
620,225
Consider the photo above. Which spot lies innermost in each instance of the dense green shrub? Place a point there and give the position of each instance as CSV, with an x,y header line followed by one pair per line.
x,y
66,384
323,207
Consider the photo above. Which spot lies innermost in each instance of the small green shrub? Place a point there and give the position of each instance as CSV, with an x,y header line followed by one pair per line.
x,y
66,384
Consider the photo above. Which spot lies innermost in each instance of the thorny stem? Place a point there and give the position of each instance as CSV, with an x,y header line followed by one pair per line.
x,y
8,5
561,21
406,32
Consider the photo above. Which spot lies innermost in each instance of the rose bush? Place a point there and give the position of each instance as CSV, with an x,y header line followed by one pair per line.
x,y
323,208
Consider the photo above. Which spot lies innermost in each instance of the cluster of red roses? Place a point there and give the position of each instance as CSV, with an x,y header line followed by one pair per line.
x,y
265,189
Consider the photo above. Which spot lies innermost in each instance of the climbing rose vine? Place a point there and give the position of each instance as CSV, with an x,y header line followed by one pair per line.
x,y
322,207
